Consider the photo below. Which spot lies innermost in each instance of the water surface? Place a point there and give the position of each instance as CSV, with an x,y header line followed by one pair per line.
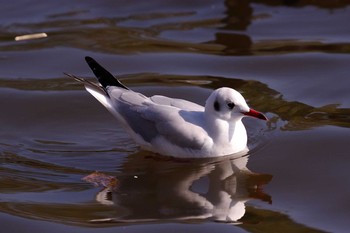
x,y
288,58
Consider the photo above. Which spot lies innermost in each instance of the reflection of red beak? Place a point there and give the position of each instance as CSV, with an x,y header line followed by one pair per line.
x,y
255,114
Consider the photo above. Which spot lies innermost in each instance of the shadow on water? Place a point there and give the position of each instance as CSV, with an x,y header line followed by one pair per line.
x,y
151,189
182,190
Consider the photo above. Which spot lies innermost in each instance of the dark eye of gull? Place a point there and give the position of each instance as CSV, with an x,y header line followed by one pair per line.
x,y
230,105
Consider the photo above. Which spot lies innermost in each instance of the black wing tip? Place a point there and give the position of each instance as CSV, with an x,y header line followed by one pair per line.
x,y
89,60
103,76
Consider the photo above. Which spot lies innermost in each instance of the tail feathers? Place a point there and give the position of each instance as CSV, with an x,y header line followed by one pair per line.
x,y
104,77
81,80
94,89
88,84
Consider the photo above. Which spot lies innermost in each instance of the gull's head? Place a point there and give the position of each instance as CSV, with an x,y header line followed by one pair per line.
x,y
228,104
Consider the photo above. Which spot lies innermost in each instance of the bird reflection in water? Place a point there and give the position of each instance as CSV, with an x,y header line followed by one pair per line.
x,y
151,188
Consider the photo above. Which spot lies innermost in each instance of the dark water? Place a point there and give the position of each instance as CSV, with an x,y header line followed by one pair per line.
x,y
290,59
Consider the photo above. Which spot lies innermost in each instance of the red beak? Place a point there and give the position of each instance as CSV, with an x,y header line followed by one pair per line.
x,y
255,114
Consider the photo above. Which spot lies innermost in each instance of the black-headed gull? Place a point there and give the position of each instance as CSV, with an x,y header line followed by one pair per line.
x,y
175,127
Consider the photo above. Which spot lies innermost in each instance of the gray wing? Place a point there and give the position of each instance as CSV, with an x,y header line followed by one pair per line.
x,y
179,103
161,117
180,127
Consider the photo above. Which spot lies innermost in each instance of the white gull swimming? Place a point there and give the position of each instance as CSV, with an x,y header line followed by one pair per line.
x,y
175,127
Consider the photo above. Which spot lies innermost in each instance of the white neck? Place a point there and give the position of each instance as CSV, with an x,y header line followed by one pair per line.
x,y
227,136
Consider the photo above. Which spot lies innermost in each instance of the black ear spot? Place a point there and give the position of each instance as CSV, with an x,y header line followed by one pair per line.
x,y
216,106
231,105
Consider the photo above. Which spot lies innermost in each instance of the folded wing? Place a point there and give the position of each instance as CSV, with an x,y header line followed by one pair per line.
x,y
151,118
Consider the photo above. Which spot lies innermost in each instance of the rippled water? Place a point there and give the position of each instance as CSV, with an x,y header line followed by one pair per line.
x,y
290,59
